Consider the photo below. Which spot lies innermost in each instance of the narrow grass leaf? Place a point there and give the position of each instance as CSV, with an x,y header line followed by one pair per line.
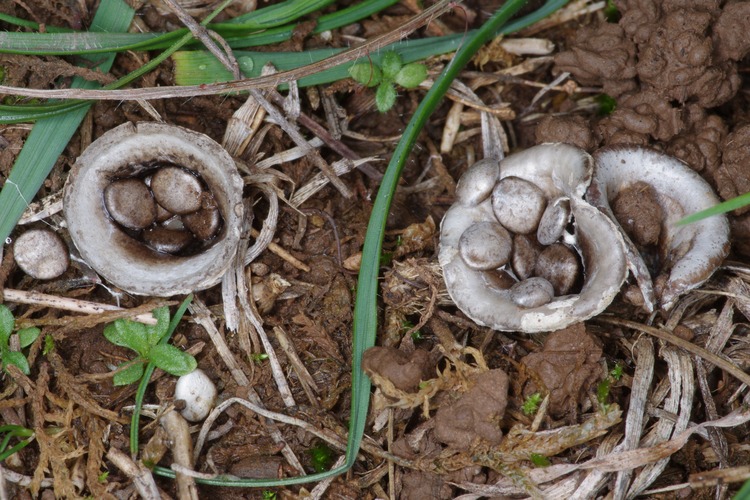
x,y
740,201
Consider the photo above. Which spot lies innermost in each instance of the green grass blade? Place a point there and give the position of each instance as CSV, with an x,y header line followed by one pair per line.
x,y
243,31
49,136
278,14
198,66
740,201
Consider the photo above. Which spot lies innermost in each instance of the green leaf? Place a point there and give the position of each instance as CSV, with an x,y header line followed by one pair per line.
x,y
27,336
172,360
540,460
159,330
18,359
131,374
366,73
130,334
49,344
391,64
7,322
411,75
385,97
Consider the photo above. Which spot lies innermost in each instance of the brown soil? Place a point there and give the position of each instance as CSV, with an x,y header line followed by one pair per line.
x,y
449,394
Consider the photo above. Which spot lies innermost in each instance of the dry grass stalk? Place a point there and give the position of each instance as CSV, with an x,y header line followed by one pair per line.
x,y
319,181
643,354
68,304
140,475
303,375
181,445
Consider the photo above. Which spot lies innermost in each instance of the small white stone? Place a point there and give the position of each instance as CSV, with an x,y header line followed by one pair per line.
x,y
199,394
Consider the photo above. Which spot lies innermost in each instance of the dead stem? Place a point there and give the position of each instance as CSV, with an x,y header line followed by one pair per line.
x,y
140,475
68,304
281,252
688,346
181,445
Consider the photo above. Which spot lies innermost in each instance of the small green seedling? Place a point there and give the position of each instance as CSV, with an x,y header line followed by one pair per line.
x,y
269,495
540,460
607,104
259,357
531,405
603,389
9,432
26,337
321,457
407,325
391,72
144,339
611,12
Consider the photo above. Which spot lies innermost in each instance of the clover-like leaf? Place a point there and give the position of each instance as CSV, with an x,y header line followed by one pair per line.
x,y
130,334
27,336
385,97
390,64
172,360
367,74
6,323
154,333
411,75
132,373
18,359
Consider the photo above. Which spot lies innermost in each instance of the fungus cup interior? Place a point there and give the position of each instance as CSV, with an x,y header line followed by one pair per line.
x,y
688,254
560,171
130,150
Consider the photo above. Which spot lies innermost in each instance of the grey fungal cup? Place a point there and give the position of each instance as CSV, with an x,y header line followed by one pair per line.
x,y
559,171
688,254
131,151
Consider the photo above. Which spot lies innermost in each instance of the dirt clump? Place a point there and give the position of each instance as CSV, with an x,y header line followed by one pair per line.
x,y
601,55
657,57
640,117
733,176
404,370
730,32
568,366
700,143
572,129
637,210
476,413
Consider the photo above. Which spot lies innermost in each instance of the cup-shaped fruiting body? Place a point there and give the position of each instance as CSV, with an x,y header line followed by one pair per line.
x,y
560,175
687,255
137,249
